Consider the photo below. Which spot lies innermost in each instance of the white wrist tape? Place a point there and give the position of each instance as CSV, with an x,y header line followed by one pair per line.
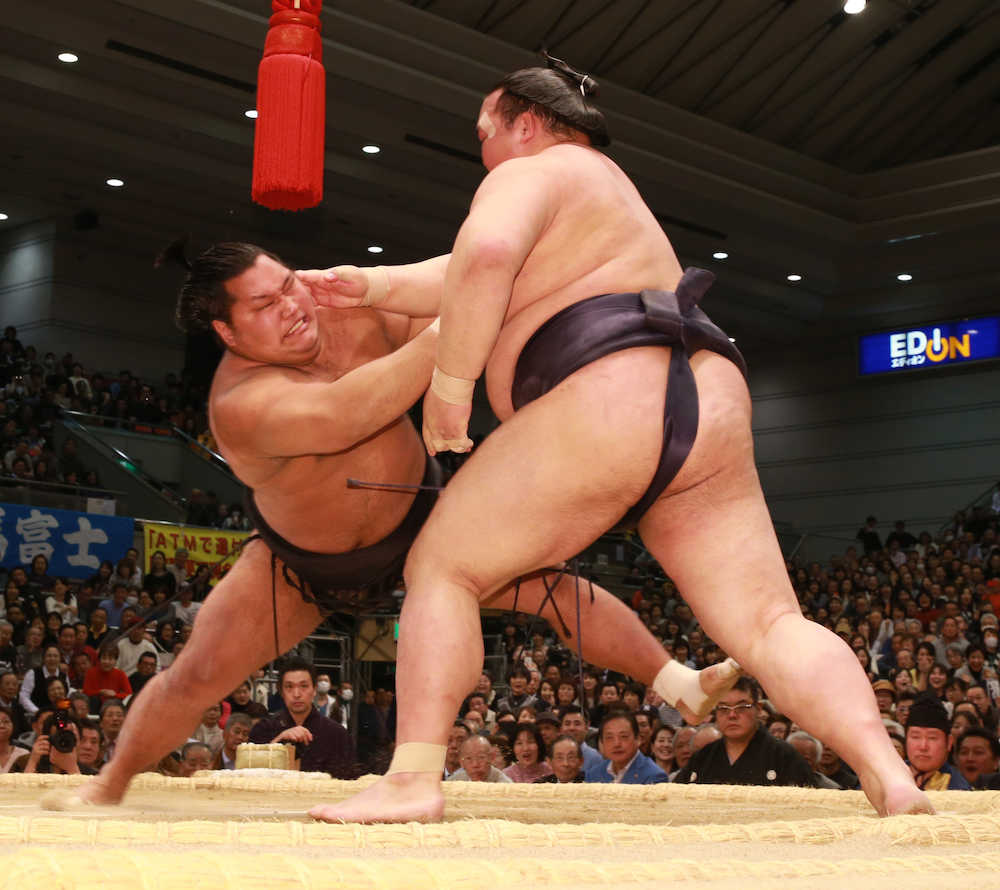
x,y
454,390
378,286
677,682
417,757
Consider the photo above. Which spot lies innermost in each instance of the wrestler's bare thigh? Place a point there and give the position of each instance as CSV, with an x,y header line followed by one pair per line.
x,y
234,630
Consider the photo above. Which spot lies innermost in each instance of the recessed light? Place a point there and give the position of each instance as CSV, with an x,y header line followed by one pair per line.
x,y
374,249
732,339
251,113
853,7
3,216
115,183
905,276
370,149
794,277
720,255
69,58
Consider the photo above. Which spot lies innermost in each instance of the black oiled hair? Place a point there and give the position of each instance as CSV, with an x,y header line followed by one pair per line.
x,y
558,95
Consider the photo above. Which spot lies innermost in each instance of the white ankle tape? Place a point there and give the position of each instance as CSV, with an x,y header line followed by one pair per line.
x,y
677,682
418,757
378,286
454,390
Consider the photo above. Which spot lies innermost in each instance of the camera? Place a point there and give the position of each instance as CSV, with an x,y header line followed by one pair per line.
x,y
59,729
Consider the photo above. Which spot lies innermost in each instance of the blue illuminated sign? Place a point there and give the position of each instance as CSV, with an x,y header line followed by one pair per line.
x,y
932,346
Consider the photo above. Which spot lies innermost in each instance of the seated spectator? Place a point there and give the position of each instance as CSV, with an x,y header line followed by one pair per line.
x,y
195,756
574,725
548,725
10,686
8,651
927,747
746,754
79,704
113,608
29,653
240,700
623,762
98,629
811,750
518,697
984,707
474,720
61,600
322,745
527,714
500,754
33,689
236,733
104,680
682,749
185,608
529,750
476,701
208,730
705,735
566,760
145,670
458,733
977,754
885,697
10,752
44,757
662,748
976,672
779,726
475,762
158,578
112,716
134,645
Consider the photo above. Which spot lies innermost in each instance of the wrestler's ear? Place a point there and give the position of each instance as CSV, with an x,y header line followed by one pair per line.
x,y
224,332
526,125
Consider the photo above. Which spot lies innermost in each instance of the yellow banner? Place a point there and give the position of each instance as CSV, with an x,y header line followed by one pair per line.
x,y
214,547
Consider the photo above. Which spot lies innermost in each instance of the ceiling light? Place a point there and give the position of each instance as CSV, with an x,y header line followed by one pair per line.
x,y
720,255
251,113
115,183
794,277
370,149
69,58
732,339
374,249
904,276
853,7
3,216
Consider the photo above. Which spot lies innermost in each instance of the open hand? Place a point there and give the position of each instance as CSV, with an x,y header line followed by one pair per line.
x,y
342,287
297,734
446,426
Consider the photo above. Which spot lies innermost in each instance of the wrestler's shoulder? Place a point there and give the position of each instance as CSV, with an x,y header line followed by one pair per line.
x,y
244,392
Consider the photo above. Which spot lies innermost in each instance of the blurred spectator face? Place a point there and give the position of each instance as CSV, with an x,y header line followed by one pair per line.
x,y
977,695
236,733
926,748
779,729
478,703
619,742
976,661
937,678
34,637
241,694
474,720
536,679
565,694
549,732
98,618
631,700
526,715
212,715
565,760
9,686
6,728
808,751
609,694
88,749
147,665
526,748
574,725
475,758
456,735
197,758
108,659
485,684
518,685
663,744
645,729
52,659
682,745
975,758
111,722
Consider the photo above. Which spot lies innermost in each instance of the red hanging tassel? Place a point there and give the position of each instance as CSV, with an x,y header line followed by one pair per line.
x,y
291,109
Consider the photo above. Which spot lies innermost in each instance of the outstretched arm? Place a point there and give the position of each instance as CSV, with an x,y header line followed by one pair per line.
x,y
511,210
414,289
282,416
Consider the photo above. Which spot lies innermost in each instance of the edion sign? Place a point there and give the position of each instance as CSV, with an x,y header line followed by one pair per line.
x,y
948,343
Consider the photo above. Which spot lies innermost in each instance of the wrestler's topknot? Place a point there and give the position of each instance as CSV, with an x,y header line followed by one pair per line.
x,y
559,95
204,297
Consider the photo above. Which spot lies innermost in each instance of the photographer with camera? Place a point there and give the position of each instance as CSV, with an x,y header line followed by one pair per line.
x,y
55,749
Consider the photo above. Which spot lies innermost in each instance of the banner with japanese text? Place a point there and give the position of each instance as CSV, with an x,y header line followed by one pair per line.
x,y
74,543
214,547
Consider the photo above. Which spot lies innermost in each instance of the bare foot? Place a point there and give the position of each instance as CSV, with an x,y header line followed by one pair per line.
x,y
715,680
401,797
94,793
900,798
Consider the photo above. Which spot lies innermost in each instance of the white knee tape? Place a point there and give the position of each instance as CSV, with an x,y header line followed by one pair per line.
x,y
378,286
454,390
418,757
